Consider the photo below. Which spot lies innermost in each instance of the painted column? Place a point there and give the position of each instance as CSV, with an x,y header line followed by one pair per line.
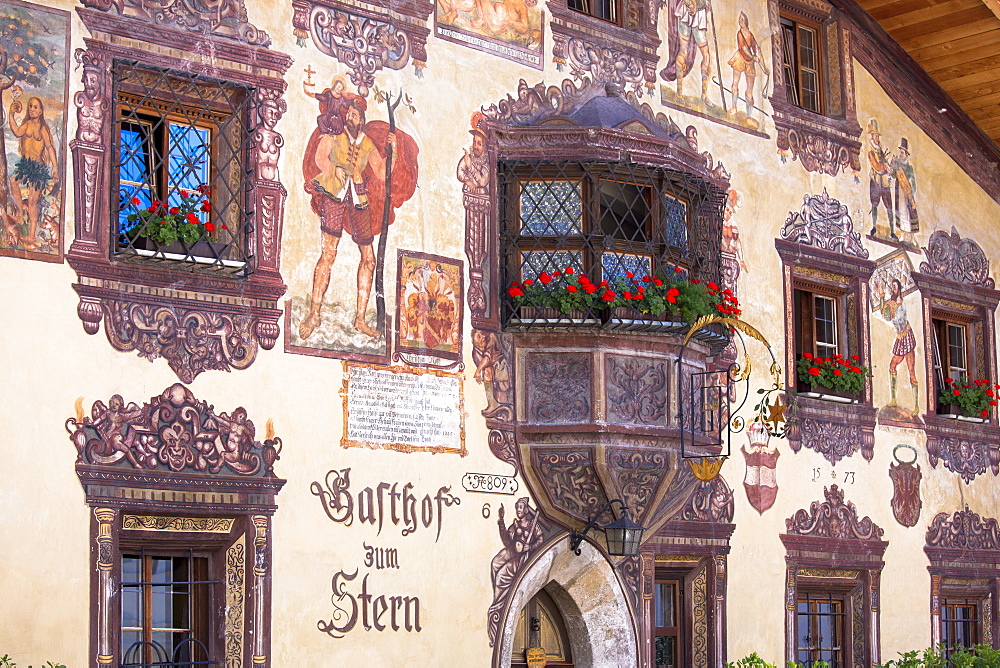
x,y
261,632
935,609
105,587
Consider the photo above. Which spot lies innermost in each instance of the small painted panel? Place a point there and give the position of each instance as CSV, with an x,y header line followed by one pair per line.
x,y
34,58
429,299
558,387
638,475
570,480
511,29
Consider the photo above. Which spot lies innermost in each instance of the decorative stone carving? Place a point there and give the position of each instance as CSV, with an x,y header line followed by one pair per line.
x,y
570,480
817,152
365,42
603,64
502,446
832,518
191,340
963,530
636,390
824,222
188,524
558,387
833,440
711,501
906,501
173,431
637,475
953,258
630,572
963,456
492,353
224,18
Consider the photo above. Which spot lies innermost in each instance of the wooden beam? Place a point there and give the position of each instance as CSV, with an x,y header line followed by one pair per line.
x,y
979,78
958,52
898,18
971,65
951,34
994,6
957,24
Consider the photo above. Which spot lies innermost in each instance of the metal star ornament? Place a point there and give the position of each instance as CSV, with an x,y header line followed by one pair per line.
x,y
776,413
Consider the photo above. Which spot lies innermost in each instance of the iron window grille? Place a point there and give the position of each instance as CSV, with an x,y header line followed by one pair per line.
x,y
959,625
820,630
604,219
165,611
176,133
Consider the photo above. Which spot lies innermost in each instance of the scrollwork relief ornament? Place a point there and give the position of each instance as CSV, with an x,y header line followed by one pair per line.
x,y
833,440
603,64
539,101
637,475
191,340
636,390
570,480
559,387
224,18
174,432
953,258
963,456
818,153
502,446
833,518
630,572
823,222
711,501
963,530
364,44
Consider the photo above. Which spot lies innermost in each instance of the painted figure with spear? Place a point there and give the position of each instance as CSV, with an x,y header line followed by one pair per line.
x,y
357,177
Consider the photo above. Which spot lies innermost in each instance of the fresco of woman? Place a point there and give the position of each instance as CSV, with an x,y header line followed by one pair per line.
x,y
36,168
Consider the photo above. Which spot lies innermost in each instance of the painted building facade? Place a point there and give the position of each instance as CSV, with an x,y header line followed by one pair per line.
x,y
294,409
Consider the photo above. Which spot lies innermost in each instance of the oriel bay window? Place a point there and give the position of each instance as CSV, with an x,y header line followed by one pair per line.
x,y
182,168
610,221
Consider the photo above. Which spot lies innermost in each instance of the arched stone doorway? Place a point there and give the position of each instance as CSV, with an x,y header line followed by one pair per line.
x,y
598,623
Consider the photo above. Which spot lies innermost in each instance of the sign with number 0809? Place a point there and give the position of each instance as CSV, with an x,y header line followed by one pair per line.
x,y
489,483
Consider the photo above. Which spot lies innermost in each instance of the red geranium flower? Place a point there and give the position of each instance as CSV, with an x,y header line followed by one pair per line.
x,y
545,278
608,296
569,271
515,291
956,393
837,372
712,285
672,295
808,356
571,288
813,371
677,270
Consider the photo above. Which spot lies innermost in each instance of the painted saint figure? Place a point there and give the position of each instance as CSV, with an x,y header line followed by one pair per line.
x,y
744,63
333,104
36,169
906,189
894,311
522,537
879,179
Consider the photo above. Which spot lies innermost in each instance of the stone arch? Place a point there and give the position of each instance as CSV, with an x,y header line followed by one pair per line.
x,y
600,624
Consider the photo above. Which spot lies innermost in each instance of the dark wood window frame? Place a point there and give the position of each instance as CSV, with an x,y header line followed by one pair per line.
x,y
680,630
809,270
795,70
114,289
967,448
825,140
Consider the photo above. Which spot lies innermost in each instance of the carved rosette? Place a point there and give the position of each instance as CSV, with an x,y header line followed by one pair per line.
x,y
964,530
818,152
223,18
953,258
367,42
603,64
172,432
833,518
823,222
963,456
833,440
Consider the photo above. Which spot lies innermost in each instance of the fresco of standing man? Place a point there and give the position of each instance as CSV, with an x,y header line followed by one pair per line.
x,y
905,192
894,312
345,174
691,23
879,179
744,63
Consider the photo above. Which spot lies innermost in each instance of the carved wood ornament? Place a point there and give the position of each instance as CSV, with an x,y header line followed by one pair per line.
x,y
366,36
198,320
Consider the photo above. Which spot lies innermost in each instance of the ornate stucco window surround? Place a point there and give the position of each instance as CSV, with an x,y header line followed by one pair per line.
x,y
160,303
956,289
176,487
823,141
823,259
833,556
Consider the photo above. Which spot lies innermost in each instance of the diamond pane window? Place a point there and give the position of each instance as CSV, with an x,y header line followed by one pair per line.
x,y
605,220
182,169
